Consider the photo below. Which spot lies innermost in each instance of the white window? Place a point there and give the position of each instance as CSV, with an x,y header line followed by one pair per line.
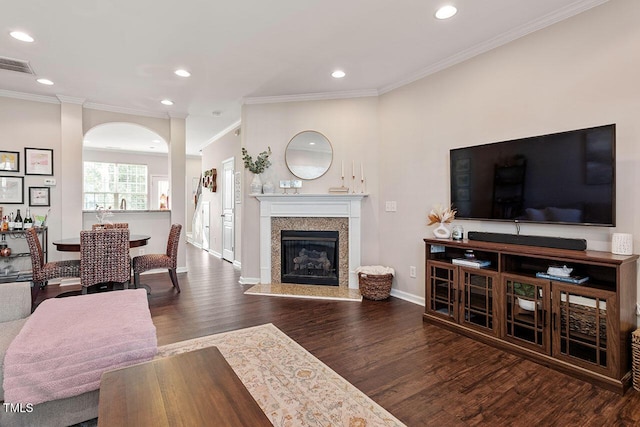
x,y
106,185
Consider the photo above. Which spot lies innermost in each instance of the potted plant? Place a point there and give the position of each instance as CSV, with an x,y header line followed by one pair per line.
x,y
257,167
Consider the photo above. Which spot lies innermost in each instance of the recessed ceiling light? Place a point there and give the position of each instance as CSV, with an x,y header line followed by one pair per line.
x,y
23,37
45,82
338,74
182,73
156,141
166,102
312,143
446,12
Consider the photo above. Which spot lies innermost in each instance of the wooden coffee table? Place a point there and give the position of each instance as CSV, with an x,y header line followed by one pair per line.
x,y
196,388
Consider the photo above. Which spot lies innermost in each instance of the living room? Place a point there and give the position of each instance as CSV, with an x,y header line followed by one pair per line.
x,y
574,74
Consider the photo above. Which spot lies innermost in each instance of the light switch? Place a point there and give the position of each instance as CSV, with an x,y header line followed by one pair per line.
x,y
49,181
390,206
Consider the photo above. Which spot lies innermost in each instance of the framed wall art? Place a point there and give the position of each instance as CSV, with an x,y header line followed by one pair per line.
x,y
39,196
9,161
38,161
11,190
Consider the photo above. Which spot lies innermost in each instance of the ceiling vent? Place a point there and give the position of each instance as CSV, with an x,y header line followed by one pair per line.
x,y
15,65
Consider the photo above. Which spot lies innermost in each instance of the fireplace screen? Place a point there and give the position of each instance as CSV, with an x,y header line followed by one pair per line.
x,y
309,257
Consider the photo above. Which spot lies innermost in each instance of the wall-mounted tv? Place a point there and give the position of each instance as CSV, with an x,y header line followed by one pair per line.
x,y
566,178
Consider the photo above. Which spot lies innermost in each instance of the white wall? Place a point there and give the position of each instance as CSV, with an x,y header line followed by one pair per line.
x,y
579,73
351,125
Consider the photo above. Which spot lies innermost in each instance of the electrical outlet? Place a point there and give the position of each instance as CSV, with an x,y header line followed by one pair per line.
x,y
141,251
412,271
390,206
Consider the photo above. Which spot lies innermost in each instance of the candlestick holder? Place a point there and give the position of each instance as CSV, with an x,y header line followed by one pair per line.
x,y
362,183
353,190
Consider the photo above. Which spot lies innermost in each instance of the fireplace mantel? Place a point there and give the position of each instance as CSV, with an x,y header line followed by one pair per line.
x,y
310,205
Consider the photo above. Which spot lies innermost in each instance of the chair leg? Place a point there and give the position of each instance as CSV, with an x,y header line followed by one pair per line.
x,y
174,279
136,280
84,290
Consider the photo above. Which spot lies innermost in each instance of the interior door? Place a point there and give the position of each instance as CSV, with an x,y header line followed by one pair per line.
x,y
228,197
206,223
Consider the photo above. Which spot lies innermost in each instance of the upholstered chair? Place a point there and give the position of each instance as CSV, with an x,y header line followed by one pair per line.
x,y
168,260
45,271
107,226
104,257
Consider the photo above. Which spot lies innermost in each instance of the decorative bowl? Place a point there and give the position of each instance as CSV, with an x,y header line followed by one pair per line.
x,y
526,304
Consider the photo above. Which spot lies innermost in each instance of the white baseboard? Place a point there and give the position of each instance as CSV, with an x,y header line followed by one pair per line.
x,y
249,280
215,254
196,244
408,297
237,264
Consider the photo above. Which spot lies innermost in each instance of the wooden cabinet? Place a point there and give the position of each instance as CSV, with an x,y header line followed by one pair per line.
x,y
580,329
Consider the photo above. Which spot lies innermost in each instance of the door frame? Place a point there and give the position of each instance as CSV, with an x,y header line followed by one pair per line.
x,y
228,186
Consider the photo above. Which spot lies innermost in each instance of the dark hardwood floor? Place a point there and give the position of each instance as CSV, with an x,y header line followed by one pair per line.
x,y
422,374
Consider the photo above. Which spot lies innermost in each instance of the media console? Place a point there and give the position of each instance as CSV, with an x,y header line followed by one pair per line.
x,y
583,330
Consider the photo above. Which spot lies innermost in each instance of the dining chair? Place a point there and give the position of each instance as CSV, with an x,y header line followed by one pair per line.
x,y
108,226
45,271
104,258
168,260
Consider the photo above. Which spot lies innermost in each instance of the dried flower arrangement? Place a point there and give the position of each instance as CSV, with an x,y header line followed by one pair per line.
x,y
261,163
441,215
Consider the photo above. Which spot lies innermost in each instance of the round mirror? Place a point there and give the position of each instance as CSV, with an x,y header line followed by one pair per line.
x,y
309,155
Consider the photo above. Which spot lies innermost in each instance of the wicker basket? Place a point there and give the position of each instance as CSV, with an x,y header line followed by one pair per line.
x,y
635,350
375,286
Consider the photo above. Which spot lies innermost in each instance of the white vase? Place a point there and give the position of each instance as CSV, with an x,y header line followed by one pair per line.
x,y
268,187
442,231
256,184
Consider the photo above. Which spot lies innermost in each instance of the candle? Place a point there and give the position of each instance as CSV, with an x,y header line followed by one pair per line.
x,y
342,170
361,171
353,168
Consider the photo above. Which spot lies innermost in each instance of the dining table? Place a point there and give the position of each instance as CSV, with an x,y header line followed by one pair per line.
x,y
72,244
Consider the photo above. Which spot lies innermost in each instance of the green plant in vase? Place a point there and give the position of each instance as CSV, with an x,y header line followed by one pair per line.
x,y
256,166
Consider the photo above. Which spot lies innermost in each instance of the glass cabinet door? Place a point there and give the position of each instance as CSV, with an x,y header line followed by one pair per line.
x,y
477,299
527,312
582,333
442,290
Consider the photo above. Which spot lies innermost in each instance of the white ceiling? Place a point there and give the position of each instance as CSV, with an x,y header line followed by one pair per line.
x,y
120,54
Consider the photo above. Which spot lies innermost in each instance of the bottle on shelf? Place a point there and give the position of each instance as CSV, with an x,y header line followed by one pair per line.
x,y
5,223
18,221
28,222
12,224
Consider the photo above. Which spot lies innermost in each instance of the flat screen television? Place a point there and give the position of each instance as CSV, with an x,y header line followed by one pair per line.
x,y
565,178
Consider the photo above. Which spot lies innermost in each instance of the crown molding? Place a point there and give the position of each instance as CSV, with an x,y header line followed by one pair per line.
x,y
29,96
500,40
310,97
220,134
70,100
124,110
175,115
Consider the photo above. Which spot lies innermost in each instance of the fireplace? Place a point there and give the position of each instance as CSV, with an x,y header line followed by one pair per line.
x,y
309,257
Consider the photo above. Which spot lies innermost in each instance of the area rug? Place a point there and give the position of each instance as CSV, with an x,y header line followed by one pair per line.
x,y
292,387
337,293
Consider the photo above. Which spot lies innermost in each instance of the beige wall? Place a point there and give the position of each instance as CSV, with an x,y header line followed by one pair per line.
x,y
351,125
226,147
575,74
194,169
46,123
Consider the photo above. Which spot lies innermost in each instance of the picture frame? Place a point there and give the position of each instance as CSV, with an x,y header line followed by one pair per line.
x,y
38,161
9,161
39,196
11,190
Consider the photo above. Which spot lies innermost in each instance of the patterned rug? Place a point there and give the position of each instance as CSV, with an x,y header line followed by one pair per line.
x,y
292,387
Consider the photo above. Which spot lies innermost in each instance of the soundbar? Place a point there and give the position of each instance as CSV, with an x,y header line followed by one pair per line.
x,y
518,239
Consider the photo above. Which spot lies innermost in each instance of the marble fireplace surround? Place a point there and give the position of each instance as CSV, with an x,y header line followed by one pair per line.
x,y
307,210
